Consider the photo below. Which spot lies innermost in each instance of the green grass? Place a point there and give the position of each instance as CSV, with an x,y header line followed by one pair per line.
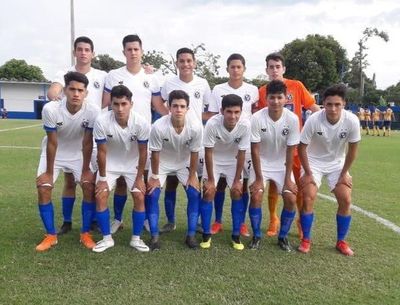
x,y
69,274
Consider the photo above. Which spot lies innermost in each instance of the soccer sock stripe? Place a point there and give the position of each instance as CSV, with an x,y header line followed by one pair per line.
x,y
255,219
103,219
153,211
88,209
245,198
206,211
169,204
286,222
343,226
236,210
119,204
306,221
47,214
138,221
192,209
219,205
67,207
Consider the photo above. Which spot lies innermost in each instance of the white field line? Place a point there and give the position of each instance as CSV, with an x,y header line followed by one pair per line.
x,y
371,215
16,128
18,147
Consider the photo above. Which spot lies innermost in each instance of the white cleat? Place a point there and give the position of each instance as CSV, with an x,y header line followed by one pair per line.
x,y
139,245
103,245
116,225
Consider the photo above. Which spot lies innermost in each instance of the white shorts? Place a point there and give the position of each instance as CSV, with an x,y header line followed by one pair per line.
x,y
248,166
72,167
227,171
182,174
113,176
332,176
277,176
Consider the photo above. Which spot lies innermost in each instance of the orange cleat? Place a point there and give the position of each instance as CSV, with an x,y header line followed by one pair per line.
x,y
344,248
87,241
244,231
216,228
48,241
305,246
273,227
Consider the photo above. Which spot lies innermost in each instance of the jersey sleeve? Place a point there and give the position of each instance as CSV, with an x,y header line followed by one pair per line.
x,y
155,86
307,132
197,140
164,92
99,132
59,78
109,82
244,143
255,96
207,94
93,116
49,117
294,134
144,132
255,129
213,105
262,97
355,133
209,135
156,139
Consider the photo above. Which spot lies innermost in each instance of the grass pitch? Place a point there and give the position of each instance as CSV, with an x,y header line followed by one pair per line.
x,y
70,274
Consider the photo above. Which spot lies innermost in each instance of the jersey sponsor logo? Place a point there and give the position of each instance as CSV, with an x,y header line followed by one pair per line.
x,y
146,84
285,131
247,97
343,135
96,84
197,94
85,123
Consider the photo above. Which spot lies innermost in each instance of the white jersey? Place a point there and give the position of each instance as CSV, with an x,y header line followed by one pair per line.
x,y
70,128
122,143
326,142
96,84
274,137
248,93
226,143
198,90
175,148
142,85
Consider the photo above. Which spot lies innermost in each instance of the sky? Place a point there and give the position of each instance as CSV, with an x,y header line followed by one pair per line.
x,y
39,31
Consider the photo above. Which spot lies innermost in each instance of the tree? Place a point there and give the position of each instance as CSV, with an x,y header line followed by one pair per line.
x,y
16,69
317,61
392,94
106,63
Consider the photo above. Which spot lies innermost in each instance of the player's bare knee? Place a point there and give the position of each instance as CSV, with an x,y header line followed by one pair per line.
x,y
235,195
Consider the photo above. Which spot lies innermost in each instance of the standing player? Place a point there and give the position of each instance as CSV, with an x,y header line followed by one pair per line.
x,y
368,121
298,97
275,134
376,121
388,117
199,93
226,139
322,153
236,66
68,126
361,117
175,142
84,53
121,136
145,92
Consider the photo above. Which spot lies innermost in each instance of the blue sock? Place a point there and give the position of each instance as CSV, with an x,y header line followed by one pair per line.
x,y
169,204
286,222
153,211
67,207
219,205
88,209
47,214
255,219
306,221
119,204
206,211
343,225
192,209
236,210
103,219
138,221
245,198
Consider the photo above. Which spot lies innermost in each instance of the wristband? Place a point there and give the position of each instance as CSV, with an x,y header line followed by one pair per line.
x,y
155,177
102,178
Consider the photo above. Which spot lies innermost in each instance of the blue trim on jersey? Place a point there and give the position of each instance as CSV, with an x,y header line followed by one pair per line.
x,y
156,93
107,90
100,141
142,141
89,128
47,128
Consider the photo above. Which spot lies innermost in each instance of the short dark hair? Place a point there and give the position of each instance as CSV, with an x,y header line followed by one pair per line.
x,y
276,87
184,51
231,100
85,40
236,56
131,38
77,77
121,91
275,56
177,95
338,89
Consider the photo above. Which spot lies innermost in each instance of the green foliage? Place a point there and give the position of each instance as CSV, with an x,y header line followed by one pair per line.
x,y
18,69
106,63
317,61
392,94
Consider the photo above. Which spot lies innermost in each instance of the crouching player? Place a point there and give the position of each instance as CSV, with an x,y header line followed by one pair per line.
x,y
68,126
226,139
322,152
275,133
175,142
121,136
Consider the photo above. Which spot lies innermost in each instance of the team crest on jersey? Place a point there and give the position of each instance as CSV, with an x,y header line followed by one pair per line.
x,y
133,138
59,124
146,84
96,84
290,97
197,94
319,133
343,135
85,123
237,140
247,97
188,142
285,131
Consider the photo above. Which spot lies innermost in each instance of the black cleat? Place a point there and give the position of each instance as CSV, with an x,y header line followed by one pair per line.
x,y
191,242
155,243
65,228
255,243
284,244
